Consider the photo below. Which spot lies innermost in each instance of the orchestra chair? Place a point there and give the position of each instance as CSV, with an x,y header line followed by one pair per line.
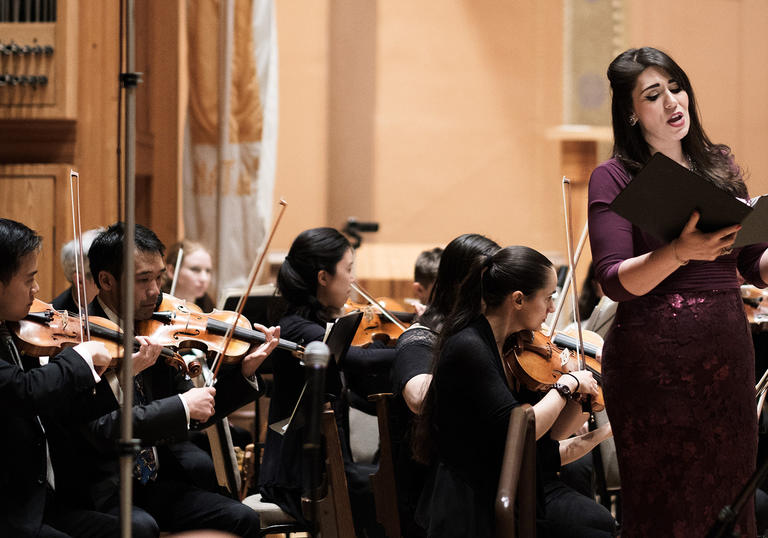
x,y
383,480
333,510
515,507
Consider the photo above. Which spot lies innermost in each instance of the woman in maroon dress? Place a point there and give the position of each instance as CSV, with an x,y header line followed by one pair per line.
x,y
678,363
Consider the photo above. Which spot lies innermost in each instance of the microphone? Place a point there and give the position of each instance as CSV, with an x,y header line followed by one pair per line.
x,y
316,356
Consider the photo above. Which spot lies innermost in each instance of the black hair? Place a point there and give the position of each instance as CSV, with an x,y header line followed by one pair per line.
x,y
713,161
456,261
588,294
315,250
425,268
490,280
106,252
16,241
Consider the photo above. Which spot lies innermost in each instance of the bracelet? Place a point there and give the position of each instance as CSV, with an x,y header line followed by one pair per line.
x,y
577,381
564,391
678,258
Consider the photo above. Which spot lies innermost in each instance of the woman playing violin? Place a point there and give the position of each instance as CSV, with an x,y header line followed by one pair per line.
x,y
194,275
314,282
463,425
678,362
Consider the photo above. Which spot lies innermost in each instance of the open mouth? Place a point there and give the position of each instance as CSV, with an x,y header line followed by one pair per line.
x,y
676,118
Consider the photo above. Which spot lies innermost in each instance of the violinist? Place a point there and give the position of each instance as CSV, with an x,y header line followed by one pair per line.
x,y
678,362
315,282
194,275
411,372
166,406
424,275
67,300
463,423
30,504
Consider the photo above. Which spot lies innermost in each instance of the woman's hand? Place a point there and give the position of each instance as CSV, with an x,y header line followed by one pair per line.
x,y
694,244
256,356
586,382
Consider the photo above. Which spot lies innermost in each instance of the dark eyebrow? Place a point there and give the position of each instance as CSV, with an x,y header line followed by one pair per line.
x,y
650,87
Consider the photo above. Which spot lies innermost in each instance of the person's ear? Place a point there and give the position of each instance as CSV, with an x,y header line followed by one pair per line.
x,y
419,290
107,281
323,278
517,298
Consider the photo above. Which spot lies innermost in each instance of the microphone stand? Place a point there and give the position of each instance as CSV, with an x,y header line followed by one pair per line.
x,y
128,446
729,513
316,357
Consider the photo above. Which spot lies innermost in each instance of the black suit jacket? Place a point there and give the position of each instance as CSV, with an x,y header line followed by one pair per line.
x,y
24,395
64,301
162,423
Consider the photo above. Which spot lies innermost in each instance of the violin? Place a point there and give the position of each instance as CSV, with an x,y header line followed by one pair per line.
x,y
46,331
538,362
755,305
179,323
375,326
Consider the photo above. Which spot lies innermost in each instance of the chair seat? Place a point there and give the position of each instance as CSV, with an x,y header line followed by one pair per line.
x,y
269,513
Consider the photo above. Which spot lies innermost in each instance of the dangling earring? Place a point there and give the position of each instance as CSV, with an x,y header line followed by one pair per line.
x,y
633,120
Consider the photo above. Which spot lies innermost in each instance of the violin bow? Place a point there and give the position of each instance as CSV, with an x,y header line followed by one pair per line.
x,y
177,268
251,280
387,314
74,194
571,268
567,283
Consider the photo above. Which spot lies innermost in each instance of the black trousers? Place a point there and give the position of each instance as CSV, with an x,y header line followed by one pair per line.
x,y
61,521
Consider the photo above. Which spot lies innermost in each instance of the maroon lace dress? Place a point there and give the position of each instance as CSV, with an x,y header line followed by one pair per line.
x,y
679,379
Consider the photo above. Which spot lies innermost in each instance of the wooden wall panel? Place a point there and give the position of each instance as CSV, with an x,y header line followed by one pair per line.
x,y
30,194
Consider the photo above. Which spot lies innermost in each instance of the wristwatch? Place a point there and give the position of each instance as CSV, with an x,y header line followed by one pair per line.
x,y
564,390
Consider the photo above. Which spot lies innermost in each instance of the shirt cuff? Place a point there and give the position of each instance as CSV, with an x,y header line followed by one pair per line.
x,y
252,380
186,408
88,358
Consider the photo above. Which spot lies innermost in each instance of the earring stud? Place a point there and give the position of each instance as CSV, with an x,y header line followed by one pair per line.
x,y
633,120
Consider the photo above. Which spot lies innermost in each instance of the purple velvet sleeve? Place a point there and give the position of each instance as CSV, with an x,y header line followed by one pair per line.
x,y
610,235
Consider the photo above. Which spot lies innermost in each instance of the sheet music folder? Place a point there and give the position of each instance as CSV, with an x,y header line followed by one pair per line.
x,y
662,196
338,341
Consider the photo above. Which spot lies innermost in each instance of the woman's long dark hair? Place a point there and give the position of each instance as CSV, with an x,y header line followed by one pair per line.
x,y
489,281
312,251
713,161
455,262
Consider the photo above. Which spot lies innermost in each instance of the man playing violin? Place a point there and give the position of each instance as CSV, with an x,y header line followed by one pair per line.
x,y
166,406
29,504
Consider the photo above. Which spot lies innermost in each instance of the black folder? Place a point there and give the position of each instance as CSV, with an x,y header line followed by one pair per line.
x,y
662,196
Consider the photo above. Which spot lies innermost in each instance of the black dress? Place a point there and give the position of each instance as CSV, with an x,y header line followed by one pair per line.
x,y
472,407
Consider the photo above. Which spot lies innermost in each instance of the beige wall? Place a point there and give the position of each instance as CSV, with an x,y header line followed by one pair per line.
x,y
449,135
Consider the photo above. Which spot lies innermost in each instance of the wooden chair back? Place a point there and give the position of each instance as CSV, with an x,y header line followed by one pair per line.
x,y
332,513
516,496
383,480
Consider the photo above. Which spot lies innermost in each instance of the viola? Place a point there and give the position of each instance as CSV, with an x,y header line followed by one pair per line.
x,y
46,331
538,362
181,324
755,305
375,326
